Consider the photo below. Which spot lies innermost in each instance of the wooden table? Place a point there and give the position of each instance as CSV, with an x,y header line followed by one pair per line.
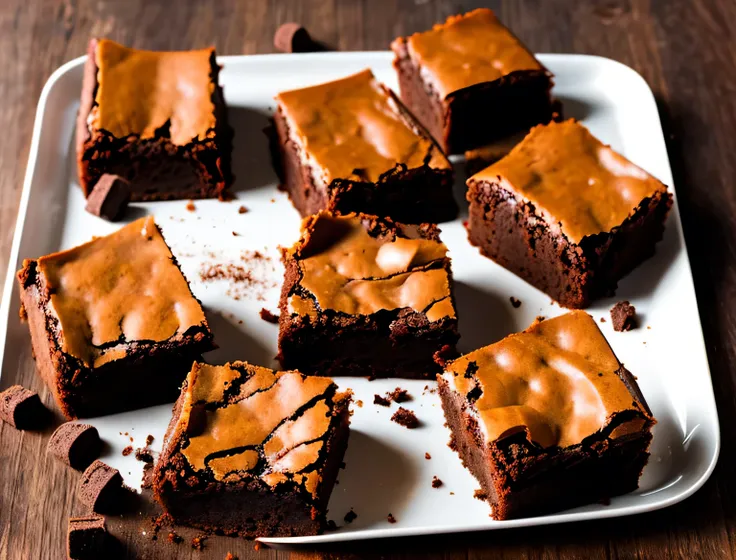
x,y
686,50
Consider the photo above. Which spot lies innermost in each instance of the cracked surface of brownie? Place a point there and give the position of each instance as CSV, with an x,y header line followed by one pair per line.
x,y
366,296
252,452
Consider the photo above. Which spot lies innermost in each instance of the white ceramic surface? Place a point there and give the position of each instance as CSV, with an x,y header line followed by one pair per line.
x,y
386,468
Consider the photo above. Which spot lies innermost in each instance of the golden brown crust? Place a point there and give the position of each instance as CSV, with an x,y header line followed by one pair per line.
x,y
573,179
352,129
141,92
467,50
558,380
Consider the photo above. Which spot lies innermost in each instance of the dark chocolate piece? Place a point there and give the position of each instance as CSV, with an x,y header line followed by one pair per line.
x,y
76,445
101,488
109,197
350,516
86,538
22,408
623,316
406,418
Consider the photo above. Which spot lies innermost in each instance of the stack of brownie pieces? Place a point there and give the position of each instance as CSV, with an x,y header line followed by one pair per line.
x,y
368,286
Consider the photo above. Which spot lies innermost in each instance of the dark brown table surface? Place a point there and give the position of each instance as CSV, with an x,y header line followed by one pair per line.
x,y
686,50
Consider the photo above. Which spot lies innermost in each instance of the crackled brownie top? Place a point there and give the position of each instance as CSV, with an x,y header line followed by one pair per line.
x,y
356,264
557,379
467,50
239,421
141,92
118,289
353,128
573,179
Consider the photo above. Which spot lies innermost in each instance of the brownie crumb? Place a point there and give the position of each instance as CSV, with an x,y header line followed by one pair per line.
x,y
229,556
350,516
359,403
242,210
623,316
480,495
147,482
174,538
436,482
198,542
391,518
236,234
405,418
515,303
443,356
149,439
269,317
427,456
144,455
603,319
331,525
399,395
379,400
540,318
190,206
22,408
452,493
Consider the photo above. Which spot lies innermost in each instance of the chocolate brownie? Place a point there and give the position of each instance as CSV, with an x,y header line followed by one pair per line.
x,y
86,538
623,316
22,408
567,213
76,445
470,81
109,197
101,488
158,119
252,452
351,146
113,322
365,296
547,419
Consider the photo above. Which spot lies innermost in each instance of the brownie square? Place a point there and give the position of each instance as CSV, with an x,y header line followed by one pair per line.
x,y
567,213
365,296
470,81
547,419
157,119
351,146
113,322
86,538
252,452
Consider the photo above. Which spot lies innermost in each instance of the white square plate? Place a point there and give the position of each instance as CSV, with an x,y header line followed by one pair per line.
x,y
386,467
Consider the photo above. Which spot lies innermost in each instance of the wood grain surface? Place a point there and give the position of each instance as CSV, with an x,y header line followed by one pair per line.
x,y
686,50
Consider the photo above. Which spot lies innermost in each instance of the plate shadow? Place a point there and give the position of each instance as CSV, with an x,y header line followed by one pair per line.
x,y
251,162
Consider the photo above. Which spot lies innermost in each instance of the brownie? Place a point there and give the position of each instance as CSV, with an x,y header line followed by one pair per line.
x,y
470,81
252,452
22,408
623,316
365,296
567,213
157,119
547,419
113,322
101,488
86,538
351,146
76,445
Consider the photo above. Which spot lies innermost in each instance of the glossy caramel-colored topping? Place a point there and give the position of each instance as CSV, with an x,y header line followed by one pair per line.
x,y
354,129
273,425
467,50
123,287
557,380
572,179
140,92
359,274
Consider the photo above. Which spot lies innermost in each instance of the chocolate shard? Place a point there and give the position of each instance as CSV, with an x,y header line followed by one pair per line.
x,y
101,488
86,538
22,408
109,197
76,445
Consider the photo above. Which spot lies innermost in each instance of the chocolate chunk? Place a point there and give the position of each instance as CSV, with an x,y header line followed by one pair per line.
x,y
76,445
269,317
350,516
101,488
86,538
379,400
515,303
623,316
405,418
109,197
22,408
436,482
149,440
427,456
144,455
292,37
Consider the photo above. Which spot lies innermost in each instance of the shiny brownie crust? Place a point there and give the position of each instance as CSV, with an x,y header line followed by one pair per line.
x,y
509,231
479,114
156,168
521,479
